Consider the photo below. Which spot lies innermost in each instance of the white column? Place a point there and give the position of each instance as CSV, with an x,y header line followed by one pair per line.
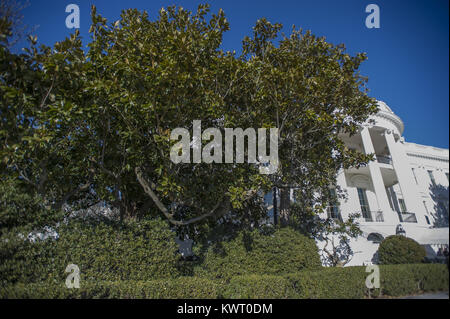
x,y
377,179
405,177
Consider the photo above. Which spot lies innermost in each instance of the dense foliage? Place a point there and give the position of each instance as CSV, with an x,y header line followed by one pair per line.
x,y
400,250
258,287
79,126
276,252
103,250
22,209
327,283
181,288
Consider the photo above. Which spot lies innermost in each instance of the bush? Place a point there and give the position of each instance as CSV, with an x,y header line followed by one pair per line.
x,y
257,287
280,252
105,250
400,250
401,280
349,282
179,288
21,207
24,261
329,283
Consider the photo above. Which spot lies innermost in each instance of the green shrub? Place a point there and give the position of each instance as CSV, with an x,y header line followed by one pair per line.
x,y
432,277
257,287
398,280
21,207
179,288
283,251
401,280
400,250
23,261
142,250
329,283
108,251
349,282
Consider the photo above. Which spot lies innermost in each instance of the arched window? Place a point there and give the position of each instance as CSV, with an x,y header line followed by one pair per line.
x,y
375,238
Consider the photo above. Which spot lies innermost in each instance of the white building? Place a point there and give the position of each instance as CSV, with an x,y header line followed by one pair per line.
x,y
405,188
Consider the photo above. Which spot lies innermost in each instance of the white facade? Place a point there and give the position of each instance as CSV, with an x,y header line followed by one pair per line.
x,y
406,185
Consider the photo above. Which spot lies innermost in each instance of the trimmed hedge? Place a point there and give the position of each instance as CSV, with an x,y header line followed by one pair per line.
x,y
179,288
281,252
401,280
398,249
327,283
103,251
258,287
349,282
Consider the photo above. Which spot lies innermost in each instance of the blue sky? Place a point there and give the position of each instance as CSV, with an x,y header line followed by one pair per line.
x,y
408,65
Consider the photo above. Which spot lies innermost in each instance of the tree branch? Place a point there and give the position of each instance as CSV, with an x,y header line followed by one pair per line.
x,y
219,209
80,188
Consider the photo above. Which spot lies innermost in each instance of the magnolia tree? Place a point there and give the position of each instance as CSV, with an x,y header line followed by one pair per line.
x,y
83,126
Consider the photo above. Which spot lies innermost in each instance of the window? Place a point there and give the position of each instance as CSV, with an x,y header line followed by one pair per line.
x,y
446,174
402,205
333,206
414,173
430,173
364,203
427,219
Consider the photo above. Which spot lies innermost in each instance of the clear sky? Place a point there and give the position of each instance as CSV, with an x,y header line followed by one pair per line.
x,y
408,65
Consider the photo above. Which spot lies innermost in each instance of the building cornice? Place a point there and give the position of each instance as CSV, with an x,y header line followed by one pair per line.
x,y
428,156
427,152
440,149
394,119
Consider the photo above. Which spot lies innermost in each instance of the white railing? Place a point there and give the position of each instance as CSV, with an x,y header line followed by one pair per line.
x,y
372,216
384,159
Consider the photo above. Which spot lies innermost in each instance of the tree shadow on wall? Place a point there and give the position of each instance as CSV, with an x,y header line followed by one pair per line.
x,y
440,196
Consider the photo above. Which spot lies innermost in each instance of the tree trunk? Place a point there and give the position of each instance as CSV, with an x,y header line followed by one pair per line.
x,y
285,203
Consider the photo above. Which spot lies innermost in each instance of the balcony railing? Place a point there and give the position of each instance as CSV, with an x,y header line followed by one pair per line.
x,y
406,217
372,216
384,159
